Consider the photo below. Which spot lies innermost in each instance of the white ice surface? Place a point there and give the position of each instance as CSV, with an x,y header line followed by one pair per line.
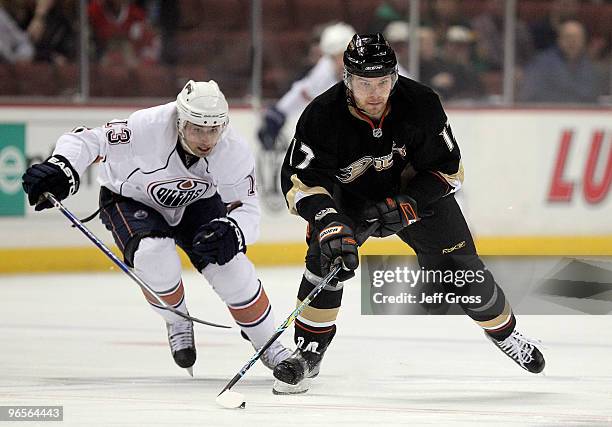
x,y
90,343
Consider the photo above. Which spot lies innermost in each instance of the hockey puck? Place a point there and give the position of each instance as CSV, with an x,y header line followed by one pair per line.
x,y
231,400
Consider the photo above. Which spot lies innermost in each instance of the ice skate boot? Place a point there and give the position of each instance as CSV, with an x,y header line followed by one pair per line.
x,y
522,350
294,374
182,343
275,354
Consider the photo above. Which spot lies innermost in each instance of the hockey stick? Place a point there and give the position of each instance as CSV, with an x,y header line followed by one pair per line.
x,y
230,399
164,306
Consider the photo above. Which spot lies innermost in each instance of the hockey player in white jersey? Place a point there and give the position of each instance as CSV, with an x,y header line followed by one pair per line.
x,y
175,174
326,73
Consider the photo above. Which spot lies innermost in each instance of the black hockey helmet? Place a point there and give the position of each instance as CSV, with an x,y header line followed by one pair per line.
x,y
369,55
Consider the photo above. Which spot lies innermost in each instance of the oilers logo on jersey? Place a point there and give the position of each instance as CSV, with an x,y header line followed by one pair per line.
x,y
178,192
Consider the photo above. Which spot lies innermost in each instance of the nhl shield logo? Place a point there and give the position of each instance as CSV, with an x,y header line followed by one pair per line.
x,y
178,192
141,214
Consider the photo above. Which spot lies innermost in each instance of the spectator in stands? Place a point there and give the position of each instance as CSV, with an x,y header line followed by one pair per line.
x,y
15,44
444,14
434,71
397,34
563,73
389,11
600,52
458,54
121,33
450,74
545,31
165,16
489,32
50,26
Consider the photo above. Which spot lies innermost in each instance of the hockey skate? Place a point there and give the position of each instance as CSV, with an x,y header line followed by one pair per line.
x,y
522,350
275,354
182,344
294,374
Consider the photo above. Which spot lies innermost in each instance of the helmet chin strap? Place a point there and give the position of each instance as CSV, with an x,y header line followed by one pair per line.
x,y
182,139
350,99
186,147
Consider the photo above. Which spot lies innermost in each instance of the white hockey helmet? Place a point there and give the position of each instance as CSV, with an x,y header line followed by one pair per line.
x,y
203,104
335,38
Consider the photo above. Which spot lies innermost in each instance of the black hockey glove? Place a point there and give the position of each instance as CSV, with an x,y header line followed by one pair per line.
x,y
219,241
272,124
337,242
55,175
393,214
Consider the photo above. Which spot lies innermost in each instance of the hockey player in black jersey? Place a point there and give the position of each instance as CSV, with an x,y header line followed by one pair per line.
x,y
378,146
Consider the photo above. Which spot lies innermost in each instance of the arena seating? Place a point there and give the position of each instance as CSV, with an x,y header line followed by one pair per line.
x,y
214,41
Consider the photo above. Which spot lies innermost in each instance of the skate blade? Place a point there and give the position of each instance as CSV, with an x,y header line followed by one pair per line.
x,y
190,371
282,388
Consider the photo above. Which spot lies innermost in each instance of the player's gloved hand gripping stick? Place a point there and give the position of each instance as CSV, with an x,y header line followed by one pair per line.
x,y
394,214
231,399
78,224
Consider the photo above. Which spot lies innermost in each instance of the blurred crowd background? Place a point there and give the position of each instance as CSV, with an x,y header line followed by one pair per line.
x,y
74,51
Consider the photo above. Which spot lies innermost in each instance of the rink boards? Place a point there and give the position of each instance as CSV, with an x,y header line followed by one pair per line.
x,y
536,182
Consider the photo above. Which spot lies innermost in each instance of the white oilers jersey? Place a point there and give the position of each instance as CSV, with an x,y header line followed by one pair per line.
x,y
139,160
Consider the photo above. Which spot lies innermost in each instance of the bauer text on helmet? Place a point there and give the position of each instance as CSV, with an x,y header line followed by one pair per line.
x,y
335,37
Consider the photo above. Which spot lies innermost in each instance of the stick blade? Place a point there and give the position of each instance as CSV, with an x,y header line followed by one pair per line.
x,y
231,400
